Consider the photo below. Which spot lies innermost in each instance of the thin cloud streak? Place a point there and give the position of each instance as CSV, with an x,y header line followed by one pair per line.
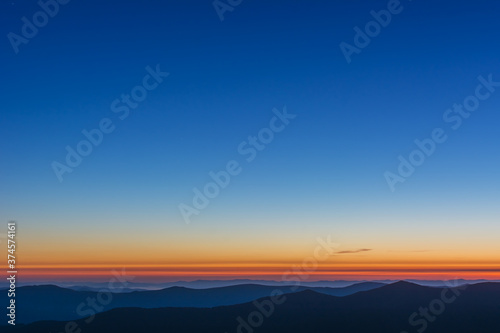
x,y
353,251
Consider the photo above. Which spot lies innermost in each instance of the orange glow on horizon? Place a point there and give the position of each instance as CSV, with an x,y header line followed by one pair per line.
x,y
242,258
281,272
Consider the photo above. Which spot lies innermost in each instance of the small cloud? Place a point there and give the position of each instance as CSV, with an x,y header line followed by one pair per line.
x,y
353,251
410,251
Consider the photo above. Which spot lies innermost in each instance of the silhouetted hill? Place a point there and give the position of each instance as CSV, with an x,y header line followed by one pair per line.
x,y
349,290
205,284
56,303
474,309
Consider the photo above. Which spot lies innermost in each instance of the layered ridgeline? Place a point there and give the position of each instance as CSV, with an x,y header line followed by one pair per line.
x,y
398,307
49,302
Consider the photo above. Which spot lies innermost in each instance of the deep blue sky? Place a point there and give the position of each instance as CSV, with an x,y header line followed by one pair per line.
x,y
323,172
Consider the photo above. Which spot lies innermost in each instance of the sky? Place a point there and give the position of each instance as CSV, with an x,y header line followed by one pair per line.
x,y
213,85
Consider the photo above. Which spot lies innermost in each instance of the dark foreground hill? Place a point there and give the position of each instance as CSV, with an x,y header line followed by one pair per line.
x,y
55,303
399,307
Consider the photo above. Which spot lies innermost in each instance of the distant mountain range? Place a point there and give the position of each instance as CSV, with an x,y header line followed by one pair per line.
x,y
204,284
394,308
56,303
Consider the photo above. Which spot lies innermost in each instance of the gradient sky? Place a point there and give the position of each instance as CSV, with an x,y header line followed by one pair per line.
x,y
323,175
